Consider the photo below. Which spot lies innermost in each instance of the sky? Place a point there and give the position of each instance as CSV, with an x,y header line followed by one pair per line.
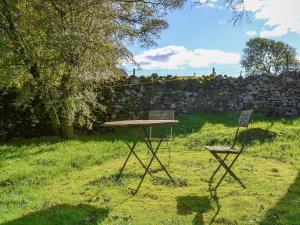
x,y
202,37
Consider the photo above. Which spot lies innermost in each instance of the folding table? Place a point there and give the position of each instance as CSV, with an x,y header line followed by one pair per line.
x,y
141,127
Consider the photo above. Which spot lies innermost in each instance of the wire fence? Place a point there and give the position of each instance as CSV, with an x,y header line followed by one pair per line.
x,y
185,72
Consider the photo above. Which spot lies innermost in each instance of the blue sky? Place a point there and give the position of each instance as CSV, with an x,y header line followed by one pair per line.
x,y
202,37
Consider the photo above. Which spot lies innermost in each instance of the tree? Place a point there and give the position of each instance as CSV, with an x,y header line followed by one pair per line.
x,y
237,8
59,51
263,55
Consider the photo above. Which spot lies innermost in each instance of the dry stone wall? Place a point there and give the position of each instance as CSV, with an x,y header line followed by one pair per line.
x,y
133,97
273,95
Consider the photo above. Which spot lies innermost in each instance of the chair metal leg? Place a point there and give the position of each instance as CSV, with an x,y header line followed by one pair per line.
x,y
234,176
215,172
228,170
232,163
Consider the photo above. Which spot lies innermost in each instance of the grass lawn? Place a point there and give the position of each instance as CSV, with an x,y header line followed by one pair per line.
x,y
50,181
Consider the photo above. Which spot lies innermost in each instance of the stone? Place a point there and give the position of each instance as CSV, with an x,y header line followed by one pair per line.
x,y
276,94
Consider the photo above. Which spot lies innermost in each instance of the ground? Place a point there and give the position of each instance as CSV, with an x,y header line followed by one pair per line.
x,y
51,181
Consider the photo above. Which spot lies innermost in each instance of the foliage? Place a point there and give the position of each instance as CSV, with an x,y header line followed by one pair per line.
x,y
46,181
263,55
61,50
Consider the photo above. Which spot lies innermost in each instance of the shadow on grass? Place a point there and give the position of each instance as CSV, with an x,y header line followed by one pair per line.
x,y
111,180
35,146
287,209
194,122
64,215
18,148
257,134
190,204
214,197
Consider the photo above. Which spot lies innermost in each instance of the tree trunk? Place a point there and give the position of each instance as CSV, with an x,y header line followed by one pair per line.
x,y
55,124
67,119
67,128
62,123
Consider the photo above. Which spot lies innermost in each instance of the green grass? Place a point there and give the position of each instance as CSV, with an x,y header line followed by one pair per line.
x,y
50,181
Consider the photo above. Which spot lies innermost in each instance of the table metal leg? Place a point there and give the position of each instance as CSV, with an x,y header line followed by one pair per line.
x,y
148,167
153,152
148,142
138,158
131,151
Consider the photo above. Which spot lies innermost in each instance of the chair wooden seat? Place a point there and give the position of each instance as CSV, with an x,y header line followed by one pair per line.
x,y
222,149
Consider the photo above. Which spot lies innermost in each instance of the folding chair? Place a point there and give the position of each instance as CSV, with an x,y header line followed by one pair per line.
x,y
162,115
217,150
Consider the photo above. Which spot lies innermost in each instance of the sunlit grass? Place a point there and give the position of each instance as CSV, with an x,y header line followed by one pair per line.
x,y
53,181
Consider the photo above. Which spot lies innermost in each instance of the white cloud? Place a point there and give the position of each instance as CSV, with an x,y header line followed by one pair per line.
x,y
208,3
211,5
178,57
280,16
203,2
251,33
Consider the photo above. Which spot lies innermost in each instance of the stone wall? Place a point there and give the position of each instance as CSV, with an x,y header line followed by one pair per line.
x,y
133,97
21,122
273,95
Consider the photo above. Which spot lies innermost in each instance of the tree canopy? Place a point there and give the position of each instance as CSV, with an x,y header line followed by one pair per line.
x,y
59,51
263,55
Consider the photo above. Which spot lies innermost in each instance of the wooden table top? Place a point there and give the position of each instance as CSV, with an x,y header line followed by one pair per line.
x,y
138,123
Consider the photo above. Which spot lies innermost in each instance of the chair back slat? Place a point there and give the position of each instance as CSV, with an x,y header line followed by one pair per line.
x,y
242,122
245,118
161,115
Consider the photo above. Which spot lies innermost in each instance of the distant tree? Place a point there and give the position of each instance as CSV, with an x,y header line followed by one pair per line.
x,y
263,55
58,51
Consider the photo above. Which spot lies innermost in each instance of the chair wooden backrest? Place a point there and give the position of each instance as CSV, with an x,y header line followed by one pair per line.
x,y
161,115
245,118
243,121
